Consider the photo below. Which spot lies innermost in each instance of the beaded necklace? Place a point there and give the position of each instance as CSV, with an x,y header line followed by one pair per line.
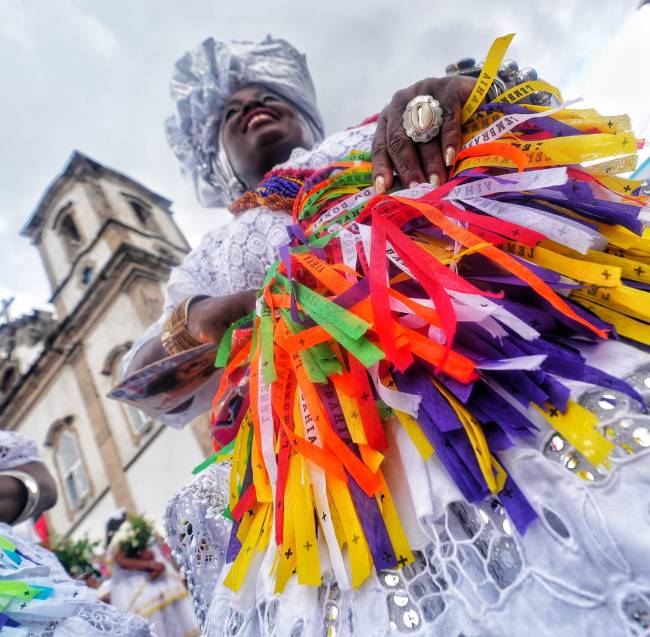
x,y
277,190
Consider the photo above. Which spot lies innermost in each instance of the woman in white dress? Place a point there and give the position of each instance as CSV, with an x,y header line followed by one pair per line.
x,y
582,568
64,607
147,585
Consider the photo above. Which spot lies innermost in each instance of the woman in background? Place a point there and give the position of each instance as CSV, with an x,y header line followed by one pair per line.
x,y
70,610
147,585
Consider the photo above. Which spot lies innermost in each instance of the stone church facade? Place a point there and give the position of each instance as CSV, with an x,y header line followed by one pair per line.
x,y
107,244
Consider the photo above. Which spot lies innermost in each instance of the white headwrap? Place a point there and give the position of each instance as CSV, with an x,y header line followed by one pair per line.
x,y
204,79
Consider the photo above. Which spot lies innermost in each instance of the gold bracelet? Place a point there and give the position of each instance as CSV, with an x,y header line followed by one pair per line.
x,y
176,337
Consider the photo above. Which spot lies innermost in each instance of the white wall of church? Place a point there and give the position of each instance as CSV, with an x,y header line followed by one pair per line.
x,y
119,324
122,210
63,398
87,224
160,472
74,289
94,524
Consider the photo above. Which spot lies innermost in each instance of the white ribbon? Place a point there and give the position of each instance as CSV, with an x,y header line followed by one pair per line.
x,y
567,232
266,428
512,182
319,484
402,401
506,123
518,362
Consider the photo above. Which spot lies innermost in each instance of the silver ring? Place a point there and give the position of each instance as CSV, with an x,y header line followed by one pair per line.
x,y
422,118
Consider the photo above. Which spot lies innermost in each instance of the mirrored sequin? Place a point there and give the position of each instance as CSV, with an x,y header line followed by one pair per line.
x,y
571,460
557,443
637,609
411,618
641,436
607,402
331,611
400,600
504,563
391,579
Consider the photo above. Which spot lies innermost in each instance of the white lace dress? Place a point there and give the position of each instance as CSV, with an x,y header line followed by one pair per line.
x,y
72,611
582,569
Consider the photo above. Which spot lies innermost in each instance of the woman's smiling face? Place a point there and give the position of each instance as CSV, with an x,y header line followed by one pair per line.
x,y
259,129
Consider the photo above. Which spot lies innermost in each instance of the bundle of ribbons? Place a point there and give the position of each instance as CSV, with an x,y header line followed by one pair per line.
x,y
449,313
31,596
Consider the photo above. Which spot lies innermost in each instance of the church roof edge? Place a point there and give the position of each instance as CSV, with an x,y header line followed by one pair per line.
x,y
77,159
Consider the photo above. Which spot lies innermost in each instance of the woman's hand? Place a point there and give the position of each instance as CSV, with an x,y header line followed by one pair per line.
x,y
393,150
209,318
156,569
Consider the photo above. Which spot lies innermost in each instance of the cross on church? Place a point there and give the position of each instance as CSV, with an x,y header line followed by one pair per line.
x,y
5,304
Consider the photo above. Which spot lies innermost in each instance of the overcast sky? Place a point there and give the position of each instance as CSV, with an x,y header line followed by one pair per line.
x,y
93,75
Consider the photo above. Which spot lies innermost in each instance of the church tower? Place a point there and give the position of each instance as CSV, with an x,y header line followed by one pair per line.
x,y
107,244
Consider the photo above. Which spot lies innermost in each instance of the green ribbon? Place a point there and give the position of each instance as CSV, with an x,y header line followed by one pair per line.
x,y
224,451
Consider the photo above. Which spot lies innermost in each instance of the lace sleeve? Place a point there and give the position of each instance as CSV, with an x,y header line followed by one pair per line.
x,y
231,259
198,533
16,449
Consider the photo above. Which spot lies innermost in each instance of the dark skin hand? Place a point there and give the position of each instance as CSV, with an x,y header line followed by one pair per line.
x,y
208,321
415,163
13,494
155,569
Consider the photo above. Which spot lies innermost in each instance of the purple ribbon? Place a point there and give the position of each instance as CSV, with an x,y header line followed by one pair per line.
x,y
518,508
373,526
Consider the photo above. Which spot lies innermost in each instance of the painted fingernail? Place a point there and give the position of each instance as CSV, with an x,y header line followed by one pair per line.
x,y
413,184
380,185
450,155
434,180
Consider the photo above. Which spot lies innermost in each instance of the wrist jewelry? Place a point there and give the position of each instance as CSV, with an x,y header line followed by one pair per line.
x,y
176,337
33,493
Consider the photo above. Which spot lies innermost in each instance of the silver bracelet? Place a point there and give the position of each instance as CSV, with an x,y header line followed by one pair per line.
x,y
33,493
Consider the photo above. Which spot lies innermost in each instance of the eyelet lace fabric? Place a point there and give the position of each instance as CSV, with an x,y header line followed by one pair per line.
x,y
16,449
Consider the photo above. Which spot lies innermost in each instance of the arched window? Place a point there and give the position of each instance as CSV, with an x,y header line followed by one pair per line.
x,y
141,210
72,469
8,380
140,423
67,229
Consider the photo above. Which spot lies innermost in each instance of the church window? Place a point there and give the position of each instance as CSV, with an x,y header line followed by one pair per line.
x,y
72,469
8,379
68,231
141,210
140,423
87,275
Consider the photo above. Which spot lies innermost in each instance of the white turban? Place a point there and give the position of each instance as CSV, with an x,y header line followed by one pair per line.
x,y
204,79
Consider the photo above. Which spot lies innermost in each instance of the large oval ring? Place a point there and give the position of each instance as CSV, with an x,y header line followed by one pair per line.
x,y
422,118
